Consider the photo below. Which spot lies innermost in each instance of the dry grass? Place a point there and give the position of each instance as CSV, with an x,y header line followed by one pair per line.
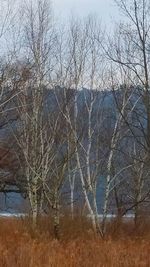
x,y
78,246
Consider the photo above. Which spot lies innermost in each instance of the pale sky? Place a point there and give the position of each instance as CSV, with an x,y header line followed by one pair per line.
x,y
106,10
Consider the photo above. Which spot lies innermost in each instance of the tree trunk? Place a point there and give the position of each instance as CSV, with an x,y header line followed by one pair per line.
x,y
56,216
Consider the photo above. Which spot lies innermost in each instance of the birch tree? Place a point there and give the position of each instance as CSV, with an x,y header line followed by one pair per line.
x,y
128,53
83,62
34,139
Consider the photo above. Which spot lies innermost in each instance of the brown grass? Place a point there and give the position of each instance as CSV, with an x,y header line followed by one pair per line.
x,y
78,246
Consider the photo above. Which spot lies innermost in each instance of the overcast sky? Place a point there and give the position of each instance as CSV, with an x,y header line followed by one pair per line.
x,y
106,10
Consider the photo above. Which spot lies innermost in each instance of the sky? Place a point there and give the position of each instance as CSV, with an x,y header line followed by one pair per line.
x,y
106,10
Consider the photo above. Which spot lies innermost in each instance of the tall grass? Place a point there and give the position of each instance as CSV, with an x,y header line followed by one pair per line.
x,y
78,246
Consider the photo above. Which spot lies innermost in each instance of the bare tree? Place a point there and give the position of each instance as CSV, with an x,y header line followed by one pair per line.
x,y
128,53
83,69
34,139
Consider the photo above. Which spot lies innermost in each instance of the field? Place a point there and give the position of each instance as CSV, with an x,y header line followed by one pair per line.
x,y
78,246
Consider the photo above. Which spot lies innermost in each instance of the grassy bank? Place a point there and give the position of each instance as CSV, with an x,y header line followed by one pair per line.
x,y
78,246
